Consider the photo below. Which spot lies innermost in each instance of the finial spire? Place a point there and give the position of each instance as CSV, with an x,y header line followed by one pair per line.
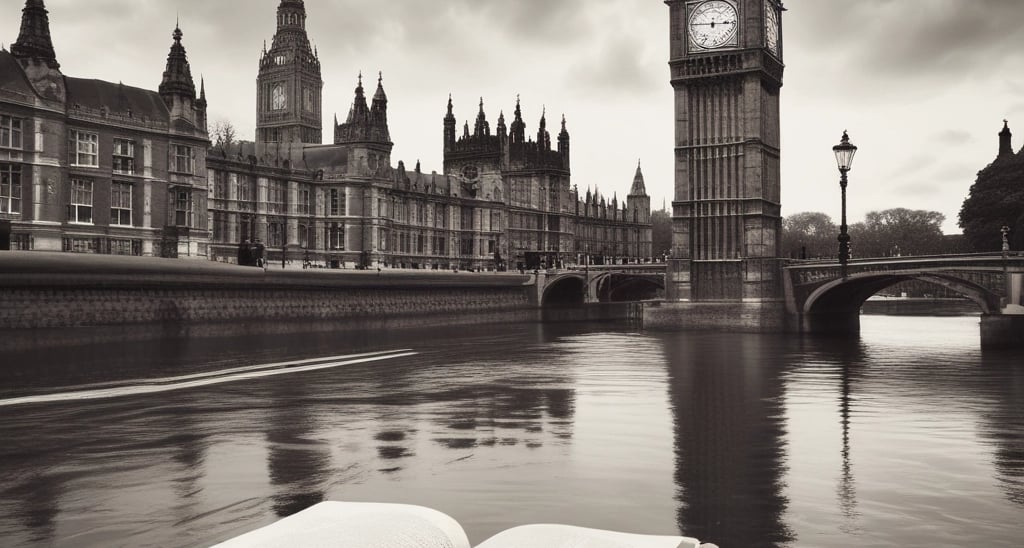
x,y
34,38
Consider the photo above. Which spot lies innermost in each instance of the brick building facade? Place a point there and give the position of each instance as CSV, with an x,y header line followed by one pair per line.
x,y
98,167
91,166
502,200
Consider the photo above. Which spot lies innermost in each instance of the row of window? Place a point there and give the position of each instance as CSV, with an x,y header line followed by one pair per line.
x,y
106,246
277,196
83,147
80,208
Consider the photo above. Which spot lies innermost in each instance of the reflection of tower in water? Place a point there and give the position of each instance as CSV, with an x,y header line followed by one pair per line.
x,y
298,464
729,429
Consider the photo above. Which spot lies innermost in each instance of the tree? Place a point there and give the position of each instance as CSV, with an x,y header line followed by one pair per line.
x,y
810,234
661,228
898,231
996,200
223,134
886,233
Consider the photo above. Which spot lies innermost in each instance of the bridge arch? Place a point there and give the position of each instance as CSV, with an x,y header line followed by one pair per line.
x,y
850,294
564,290
576,288
631,288
834,307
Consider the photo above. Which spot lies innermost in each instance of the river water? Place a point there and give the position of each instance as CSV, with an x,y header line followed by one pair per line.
x,y
909,436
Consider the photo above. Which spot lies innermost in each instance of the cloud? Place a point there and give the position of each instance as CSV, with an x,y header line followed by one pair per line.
x,y
916,40
952,137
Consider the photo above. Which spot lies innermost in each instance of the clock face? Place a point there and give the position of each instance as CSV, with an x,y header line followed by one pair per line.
x,y
470,172
280,99
771,28
713,25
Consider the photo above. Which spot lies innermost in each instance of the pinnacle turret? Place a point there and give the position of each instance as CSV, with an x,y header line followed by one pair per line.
x,y
365,124
177,79
639,188
34,38
482,127
518,129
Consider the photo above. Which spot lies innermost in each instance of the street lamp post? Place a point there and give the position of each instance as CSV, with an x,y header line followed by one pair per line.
x,y
844,152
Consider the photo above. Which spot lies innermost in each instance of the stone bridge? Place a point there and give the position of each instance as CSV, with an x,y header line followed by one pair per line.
x,y
820,299
594,284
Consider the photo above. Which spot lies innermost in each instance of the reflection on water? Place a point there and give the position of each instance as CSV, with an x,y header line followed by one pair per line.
x,y
909,436
730,430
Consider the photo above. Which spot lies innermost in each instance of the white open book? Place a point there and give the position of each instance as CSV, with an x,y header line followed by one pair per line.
x,y
372,525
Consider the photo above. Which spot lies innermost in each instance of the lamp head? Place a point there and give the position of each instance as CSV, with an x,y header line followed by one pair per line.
x,y
844,152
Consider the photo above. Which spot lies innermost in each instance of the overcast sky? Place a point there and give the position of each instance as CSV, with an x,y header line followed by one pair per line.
x,y
922,85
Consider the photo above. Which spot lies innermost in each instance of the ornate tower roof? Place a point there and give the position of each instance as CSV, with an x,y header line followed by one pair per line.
x,y
639,188
379,108
482,127
34,38
502,129
518,129
365,125
543,137
178,75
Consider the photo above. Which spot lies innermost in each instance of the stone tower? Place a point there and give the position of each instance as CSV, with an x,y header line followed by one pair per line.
x,y
289,88
726,66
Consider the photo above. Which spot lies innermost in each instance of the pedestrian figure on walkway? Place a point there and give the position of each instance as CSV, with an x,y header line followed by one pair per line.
x,y
244,253
258,252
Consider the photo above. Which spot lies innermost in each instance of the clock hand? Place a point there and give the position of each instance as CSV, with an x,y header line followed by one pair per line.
x,y
713,23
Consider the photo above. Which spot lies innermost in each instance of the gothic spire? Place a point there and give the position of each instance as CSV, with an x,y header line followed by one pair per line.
x,y
365,124
34,38
202,93
518,129
360,110
639,188
380,96
178,75
379,108
482,127
543,137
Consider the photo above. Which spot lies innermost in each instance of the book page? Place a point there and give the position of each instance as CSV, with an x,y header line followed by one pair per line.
x,y
566,536
358,525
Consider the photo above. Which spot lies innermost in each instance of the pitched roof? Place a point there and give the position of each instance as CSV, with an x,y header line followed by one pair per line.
x,y
12,76
116,98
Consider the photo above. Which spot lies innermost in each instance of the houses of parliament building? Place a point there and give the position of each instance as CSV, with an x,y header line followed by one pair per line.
x,y
92,166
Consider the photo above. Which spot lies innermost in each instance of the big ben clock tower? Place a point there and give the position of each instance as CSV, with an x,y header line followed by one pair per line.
x,y
726,63
289,86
